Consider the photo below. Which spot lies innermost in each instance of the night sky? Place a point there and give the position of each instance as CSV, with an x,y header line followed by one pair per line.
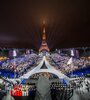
x,y
67,23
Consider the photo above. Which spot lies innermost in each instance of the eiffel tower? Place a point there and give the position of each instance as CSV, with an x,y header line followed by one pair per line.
x,y
44,46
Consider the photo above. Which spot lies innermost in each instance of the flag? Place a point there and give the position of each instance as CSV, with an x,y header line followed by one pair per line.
x,y
70,61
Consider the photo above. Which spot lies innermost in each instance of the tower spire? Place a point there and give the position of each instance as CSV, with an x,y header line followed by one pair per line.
x,y
44,46
44,31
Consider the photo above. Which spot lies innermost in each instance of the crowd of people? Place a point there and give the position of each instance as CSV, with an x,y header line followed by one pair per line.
x,y
20,65
22,90
67,63
47,75
61,91
82,85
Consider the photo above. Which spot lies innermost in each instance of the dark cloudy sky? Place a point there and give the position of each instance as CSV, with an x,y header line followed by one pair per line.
x,y
67,23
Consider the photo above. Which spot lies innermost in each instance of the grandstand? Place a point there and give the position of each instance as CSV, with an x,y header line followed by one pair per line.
x,y
66,75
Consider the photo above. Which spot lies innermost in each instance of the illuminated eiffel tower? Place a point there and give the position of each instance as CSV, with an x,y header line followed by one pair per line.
x,y
44,46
